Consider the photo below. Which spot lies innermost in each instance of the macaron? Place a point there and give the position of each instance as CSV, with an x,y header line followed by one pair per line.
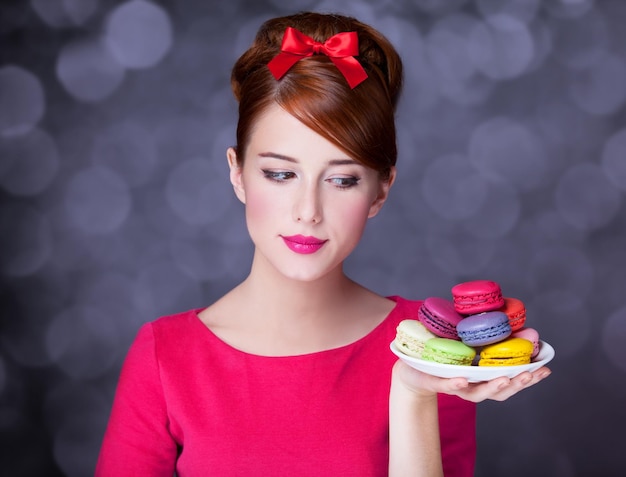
x,y
509,352
484,328
516,311
531,335
411,336
447,351
477,296
440,317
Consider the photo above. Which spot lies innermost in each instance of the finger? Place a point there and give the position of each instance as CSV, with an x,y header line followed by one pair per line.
x,y
478,392
527,379
504,390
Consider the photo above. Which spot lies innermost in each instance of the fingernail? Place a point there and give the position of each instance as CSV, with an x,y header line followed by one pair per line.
x,y
545,374
526,380
503,384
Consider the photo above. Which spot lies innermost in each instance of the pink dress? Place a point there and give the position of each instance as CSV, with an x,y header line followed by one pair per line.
x,y
189,403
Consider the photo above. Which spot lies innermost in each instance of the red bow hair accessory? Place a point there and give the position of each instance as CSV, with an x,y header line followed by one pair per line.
x,y
340,48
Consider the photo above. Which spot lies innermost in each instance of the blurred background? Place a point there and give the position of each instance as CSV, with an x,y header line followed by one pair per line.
x,y
115,205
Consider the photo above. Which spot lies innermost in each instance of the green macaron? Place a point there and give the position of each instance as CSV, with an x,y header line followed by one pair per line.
x,y
448,351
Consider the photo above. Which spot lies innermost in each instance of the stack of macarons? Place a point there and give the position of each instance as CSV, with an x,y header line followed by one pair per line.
x,y
478,326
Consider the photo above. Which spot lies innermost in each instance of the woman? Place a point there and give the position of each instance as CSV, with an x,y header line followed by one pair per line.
x,y
290,372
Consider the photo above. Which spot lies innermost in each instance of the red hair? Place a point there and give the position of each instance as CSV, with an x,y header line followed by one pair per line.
x,y
360,121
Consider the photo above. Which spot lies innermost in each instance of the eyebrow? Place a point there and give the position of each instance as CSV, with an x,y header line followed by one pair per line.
x,y
332,162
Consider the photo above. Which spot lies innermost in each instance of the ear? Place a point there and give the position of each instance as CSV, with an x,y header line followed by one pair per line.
x,y
236,174
383,193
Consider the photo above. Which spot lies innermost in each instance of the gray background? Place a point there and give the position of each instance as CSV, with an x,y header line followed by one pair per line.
x,y
116,207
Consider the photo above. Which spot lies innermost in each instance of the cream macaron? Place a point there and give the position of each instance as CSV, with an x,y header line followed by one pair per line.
x,y
411,336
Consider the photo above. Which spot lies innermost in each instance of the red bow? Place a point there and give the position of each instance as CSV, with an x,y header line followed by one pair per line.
x,y
340,48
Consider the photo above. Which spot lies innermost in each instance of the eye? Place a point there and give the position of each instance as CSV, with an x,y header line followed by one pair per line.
x,y
278,176
344,182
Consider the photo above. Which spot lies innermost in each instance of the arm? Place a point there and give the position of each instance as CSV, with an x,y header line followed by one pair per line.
x,y
414,440
137,439
414,446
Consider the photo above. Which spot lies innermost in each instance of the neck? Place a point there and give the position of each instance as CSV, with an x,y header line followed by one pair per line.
x,y
272,314
283,297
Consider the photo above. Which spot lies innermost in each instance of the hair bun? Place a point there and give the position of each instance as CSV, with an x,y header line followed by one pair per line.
x,y
376,54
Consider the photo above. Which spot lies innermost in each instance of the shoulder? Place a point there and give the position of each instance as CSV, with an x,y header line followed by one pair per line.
x,y
405,309
170,343
175,323
168,330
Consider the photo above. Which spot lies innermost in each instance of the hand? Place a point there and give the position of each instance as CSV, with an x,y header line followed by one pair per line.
x,y
499,389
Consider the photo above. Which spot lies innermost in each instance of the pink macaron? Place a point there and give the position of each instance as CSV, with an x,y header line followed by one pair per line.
x,y
531,335
440,317
477,296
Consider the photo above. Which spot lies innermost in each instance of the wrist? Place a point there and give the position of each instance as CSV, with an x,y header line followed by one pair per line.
x,y
411,385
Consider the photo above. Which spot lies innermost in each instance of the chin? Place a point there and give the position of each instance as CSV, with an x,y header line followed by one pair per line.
x,y
307,274
304,276
302,268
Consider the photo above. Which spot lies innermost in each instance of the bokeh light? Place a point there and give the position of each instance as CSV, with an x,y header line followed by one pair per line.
x,y
458,77
82,342
65,13
128,149
586,198
453,188
138,34
74,443
194,191
569,8
522,10
457,254
613,335
30,162
22,100
97,200
87,70
580,41
499,213
614,159
601,88
561,271
163,287
26,249
506,150
501,47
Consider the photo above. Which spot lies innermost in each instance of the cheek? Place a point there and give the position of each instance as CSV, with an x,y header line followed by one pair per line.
x,y
260,205
352,214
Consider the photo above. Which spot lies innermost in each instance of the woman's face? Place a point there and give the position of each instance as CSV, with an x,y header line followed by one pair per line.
x,y
307,202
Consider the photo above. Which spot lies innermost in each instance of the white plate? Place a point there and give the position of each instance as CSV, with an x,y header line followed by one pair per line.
x,y
476,374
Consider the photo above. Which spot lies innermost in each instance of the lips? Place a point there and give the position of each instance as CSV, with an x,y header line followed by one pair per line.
x,y
303,244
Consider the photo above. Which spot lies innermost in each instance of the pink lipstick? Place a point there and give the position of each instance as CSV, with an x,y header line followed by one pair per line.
x,y
302,244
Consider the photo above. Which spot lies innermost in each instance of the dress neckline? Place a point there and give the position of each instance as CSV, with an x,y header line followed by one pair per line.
x,y
233,349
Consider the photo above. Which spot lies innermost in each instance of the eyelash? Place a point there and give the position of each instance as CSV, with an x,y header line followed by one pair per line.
x,y
281,177
278,176
344,182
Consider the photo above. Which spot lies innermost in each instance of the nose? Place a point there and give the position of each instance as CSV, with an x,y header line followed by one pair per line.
x,y
307,206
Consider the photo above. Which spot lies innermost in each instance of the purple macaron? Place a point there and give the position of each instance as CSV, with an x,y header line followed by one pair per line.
x,y
484,328
440,317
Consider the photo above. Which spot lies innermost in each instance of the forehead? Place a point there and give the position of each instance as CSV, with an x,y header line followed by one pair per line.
x,y
278,131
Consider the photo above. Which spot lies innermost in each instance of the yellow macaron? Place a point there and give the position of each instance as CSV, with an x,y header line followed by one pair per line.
x,y
509,352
